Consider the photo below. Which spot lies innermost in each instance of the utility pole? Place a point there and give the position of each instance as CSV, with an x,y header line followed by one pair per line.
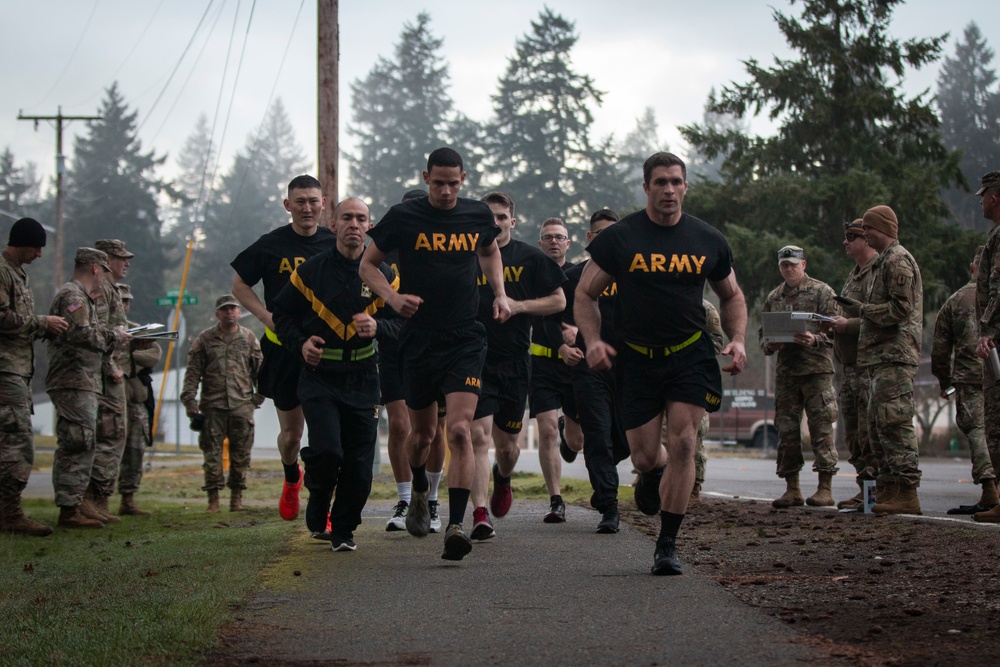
x,y
328,95
60,169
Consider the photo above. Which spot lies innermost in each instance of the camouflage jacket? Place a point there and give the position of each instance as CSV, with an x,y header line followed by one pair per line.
x,y
956,330
713,324
226,367
845,345
893,313
111,311
75,358
988,287
19,325
811,296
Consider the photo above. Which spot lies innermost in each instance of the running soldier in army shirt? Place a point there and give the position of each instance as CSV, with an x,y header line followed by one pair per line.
x,y
19,326
804,381
889,352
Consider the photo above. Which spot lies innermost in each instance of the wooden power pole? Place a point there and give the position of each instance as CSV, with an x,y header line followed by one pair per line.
x,y
328,95
60,169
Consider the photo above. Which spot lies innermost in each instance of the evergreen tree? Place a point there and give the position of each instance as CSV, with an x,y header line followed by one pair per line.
x,y
402,112
970,120
540,133
19,186
701,168
112,191
848,139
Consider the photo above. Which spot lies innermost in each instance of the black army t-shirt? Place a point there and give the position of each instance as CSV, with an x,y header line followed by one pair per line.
x,y
274,256
546,330
606,303
437,256
661,273
528,273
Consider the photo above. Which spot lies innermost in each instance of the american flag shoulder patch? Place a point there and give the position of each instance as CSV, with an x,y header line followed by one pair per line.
x,y
73,307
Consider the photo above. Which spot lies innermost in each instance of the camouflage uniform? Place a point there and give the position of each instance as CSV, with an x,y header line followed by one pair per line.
x,y
889,352
957,329
804,381
226,367
19,326
988,310
111,403
142,354
713,324
854,391
74,381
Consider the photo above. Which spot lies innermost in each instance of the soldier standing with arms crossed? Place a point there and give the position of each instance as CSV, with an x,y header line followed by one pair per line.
x,y
19,326
988,310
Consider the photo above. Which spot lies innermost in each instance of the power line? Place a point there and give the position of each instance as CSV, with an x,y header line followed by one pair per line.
x,y
72,56
177,66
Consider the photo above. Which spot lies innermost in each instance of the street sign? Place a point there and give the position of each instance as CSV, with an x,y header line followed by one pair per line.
x,y
171,300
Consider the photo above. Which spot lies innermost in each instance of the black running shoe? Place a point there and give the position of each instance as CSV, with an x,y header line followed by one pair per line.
x,y
665,560
557,511
567,454
647,492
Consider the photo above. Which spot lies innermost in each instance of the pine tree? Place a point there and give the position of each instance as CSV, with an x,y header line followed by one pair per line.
x,y
402,112
112,191
540,133
970,120
19,186
848,139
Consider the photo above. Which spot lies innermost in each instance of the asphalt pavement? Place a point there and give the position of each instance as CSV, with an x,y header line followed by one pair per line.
x,y
537,594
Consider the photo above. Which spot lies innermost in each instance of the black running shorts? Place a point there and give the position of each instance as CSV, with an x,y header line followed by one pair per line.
x,y
437,362
390,375
505,392
279,375
551,387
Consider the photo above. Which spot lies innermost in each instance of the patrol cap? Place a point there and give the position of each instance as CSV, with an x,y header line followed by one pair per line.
x,y
114,248
853,229
124,291
791,253
990,180
226,300
90,256
27,233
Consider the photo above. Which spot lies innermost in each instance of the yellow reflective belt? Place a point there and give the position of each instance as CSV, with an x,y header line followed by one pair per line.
x,y
542,351
667,351
337,354
271,336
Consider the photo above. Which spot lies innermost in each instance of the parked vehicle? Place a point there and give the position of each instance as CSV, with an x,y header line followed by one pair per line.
x,y
746,417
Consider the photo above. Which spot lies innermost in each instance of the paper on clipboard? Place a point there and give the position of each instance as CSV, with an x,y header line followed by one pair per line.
x,y
782,327
143,328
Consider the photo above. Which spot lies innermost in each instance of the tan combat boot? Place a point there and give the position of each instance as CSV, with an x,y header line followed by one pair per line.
x,y
236,500
72,517
695,494
904,502
792,496
213,501
824,493
101,503
12,519
992,516
856,502
885,490
989,499
88,509
129,508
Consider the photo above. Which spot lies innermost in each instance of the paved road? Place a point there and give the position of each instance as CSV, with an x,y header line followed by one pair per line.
x,y
538,594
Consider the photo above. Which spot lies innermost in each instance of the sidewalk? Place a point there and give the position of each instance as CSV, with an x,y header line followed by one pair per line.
x,y
537,594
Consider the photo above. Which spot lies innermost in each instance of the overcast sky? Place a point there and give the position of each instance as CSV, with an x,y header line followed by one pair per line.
x,y
666,54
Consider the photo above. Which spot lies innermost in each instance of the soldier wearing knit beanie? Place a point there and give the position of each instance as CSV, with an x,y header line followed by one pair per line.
x,y
883,219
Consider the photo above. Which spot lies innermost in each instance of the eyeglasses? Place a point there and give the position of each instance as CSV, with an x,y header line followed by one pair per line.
x,y
854,237
554,237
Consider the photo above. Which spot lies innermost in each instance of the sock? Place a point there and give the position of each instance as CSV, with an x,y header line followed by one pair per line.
x,y
291,472
670,523
458,500
435,479
419,478
403,489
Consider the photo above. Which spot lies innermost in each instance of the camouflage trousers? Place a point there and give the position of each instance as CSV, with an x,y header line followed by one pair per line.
x,y
813,394
854,409
890,423
700,455
76,426
130,473
219,425
991,423
17,451
111,430
969,419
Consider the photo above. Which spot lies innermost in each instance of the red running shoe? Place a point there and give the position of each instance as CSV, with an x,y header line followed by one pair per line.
x,y
502,497
288,505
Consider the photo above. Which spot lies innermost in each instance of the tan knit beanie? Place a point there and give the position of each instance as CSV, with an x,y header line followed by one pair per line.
x,y
883,219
